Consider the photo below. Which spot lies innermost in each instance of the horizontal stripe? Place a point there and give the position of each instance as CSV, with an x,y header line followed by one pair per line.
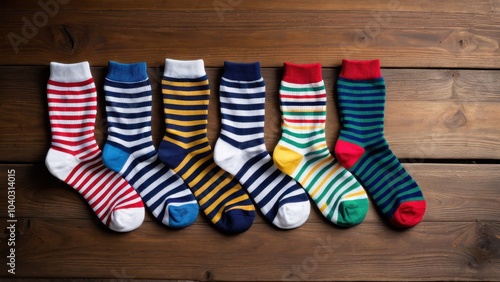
x,y
71,84
69,93
298,85
320,113
184,83
241,82
201,93
124,91
303,89
361,83
227,88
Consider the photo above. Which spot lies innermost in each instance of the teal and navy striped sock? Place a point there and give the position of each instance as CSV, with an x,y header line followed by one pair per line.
x,y
241,151
129,148
362,147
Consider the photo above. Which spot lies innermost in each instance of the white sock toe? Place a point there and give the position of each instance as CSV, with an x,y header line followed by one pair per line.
x,y
125,220
292,215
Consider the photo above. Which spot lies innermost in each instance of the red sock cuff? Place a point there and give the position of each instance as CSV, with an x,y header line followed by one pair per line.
x,y
302,73
360,70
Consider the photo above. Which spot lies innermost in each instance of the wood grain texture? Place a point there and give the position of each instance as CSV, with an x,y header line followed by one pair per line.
x,y
441,63
434,39
454,192
461,6
430,114
430,251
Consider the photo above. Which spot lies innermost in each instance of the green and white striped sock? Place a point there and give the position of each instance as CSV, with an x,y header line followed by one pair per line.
x,y
302,151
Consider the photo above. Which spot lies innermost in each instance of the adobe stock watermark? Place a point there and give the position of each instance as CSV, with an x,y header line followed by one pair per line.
x,y
372,29
121,276
222,6
11,221
309,264
49,9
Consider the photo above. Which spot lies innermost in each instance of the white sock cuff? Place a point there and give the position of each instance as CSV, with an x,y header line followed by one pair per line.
x,y
70,72
184,69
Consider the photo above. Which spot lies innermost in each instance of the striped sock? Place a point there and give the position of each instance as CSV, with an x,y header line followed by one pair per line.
x,y
129,148
186,150
362,147
74,156
241,151
302,151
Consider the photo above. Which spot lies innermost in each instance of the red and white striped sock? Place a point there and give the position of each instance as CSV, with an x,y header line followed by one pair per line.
x,y
74,156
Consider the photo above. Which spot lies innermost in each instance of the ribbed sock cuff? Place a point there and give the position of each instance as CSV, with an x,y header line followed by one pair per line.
x,y
70,72
302,73
127,72
360,70
184,69
242,71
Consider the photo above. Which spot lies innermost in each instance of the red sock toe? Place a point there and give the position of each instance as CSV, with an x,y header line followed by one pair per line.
x,y
409,214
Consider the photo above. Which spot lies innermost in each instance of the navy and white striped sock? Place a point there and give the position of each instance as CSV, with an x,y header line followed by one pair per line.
x,y
241,151
129,148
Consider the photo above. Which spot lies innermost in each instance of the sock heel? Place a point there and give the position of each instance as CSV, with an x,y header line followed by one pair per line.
x,y
114,158
348,153
171,154
228,157
286,159
60,164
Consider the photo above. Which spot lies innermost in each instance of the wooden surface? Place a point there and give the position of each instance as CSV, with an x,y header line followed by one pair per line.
x,y
441,62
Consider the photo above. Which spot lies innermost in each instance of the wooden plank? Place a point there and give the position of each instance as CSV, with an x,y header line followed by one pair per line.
x,y
455,251
430,114
454,192
121,277
441,39
478,6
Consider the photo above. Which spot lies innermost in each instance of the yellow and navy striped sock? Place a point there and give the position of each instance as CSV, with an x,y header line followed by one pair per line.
x,y
186,150
302,151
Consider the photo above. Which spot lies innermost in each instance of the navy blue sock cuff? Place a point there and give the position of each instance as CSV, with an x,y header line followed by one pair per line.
x,y
127,72
242,71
